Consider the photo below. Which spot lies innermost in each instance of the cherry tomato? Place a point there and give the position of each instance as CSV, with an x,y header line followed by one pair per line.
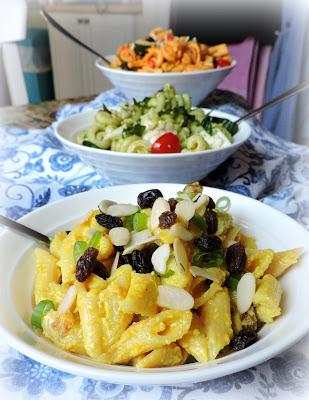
x,y
167,143
221,62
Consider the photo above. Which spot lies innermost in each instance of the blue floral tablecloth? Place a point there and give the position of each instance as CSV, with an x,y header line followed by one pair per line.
x,y
35,170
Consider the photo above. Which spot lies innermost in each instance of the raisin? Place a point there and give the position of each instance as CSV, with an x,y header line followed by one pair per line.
x,y
236,258
108,221
243,339
119,248
146,199
149,250
208,243
86,263
211,204
141,262
167,219
211,221
173,203
127,259
100,270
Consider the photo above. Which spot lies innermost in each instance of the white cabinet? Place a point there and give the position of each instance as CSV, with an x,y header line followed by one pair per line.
x,y
74,71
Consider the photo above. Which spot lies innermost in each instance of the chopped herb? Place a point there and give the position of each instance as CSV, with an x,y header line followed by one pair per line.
x,y
106,109
230,126
124,65
208,259
90,144
206,124
199,222
140,49
167,274
232,281
136,129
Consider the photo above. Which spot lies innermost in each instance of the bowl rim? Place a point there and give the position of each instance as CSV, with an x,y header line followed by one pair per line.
x,y
127,377
99,63
77,146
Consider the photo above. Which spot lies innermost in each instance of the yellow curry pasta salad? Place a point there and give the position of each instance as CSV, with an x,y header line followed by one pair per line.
x,y
162,51
160,283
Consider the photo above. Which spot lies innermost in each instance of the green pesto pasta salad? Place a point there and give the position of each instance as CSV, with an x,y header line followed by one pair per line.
x,y
163,123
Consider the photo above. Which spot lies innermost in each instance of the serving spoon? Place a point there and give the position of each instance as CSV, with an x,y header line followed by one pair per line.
x,y
60,28
16,226
291,92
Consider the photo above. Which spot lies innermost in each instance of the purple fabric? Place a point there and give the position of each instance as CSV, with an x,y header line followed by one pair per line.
x,y
238,81
253,69
260,85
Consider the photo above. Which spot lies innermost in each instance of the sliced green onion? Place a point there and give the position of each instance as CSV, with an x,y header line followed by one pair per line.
x,y
199,222
90,144
139,222
232,281
39,312
129,222
79,249
95,239
223,204
208,259
167,274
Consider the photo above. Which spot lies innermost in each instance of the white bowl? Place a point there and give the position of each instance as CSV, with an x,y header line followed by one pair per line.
x,y
17,273
121,168
143,84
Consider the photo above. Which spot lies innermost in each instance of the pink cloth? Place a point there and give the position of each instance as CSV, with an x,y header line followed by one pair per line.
x,y
260,86
248,78
238,81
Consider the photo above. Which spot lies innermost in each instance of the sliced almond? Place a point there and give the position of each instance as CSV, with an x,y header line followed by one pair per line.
x,y
201,203
104,204
185,210
213,274
121,210
115,263
174,298
68,300
119,236
179,231
180,255
196,197
159,258
245,292
139,240
159,206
